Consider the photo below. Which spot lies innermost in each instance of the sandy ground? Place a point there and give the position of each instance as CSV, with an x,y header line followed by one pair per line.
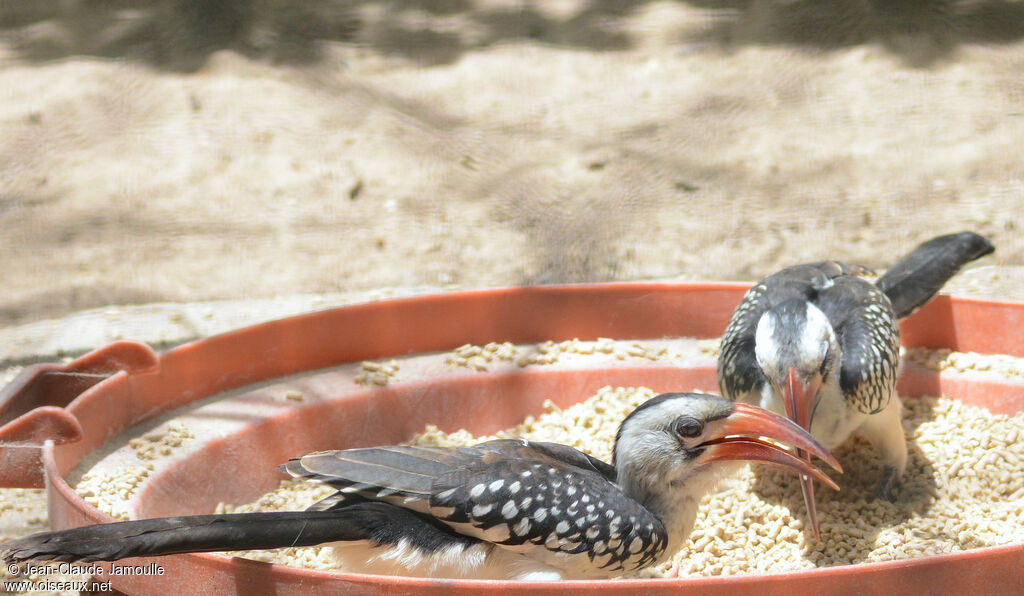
x,y
185,151
172,151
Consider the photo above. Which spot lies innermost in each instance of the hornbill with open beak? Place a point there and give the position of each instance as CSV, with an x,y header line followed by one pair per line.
x,y
820,343
500,509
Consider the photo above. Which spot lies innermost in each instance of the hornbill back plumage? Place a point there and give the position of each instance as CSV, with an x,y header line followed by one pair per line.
x,y
819,342
498,509
738,372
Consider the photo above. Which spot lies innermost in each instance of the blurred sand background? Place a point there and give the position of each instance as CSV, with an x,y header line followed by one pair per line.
x,y
183,150
238,152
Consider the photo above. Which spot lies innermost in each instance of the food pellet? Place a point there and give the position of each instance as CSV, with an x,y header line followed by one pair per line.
x,y
377,373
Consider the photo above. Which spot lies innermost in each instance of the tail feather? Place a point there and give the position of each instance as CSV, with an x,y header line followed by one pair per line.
x,y
194,533
916,278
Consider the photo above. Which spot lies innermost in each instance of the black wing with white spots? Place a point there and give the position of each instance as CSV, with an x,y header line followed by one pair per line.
x,y
541,499
869,339
738,372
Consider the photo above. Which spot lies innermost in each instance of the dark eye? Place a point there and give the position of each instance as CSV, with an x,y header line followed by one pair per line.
x,y
687,427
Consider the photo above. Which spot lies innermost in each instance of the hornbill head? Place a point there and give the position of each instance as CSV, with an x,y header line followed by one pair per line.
x,y
797,351
680,441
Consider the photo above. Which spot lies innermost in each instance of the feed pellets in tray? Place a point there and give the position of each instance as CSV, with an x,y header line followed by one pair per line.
x,y
963,489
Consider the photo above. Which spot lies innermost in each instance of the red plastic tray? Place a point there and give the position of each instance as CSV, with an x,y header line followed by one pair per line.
x,y
83,409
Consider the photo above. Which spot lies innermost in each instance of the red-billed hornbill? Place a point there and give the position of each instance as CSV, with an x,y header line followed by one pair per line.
x,y
821,344
500,509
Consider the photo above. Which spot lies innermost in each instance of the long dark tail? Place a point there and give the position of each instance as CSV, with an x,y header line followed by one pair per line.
x,y
193,533
917,277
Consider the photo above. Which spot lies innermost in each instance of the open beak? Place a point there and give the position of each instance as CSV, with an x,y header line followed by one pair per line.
x,y
755,434
798,399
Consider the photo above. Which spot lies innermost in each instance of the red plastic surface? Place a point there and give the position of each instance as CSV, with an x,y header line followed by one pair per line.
x,y
482,402
33,407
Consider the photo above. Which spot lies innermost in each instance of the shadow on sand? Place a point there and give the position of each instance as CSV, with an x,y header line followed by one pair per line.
x,y
179,35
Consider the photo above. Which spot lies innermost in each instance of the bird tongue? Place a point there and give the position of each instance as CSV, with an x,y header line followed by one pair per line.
x,y
798,401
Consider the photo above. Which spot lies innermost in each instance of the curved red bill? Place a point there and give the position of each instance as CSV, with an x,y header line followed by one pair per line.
x,y
751,449
755,434
798,399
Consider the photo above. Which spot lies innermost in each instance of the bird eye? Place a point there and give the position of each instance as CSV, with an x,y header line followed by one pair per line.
x,y
687,427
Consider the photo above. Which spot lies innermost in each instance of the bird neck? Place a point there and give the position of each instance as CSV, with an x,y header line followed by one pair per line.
x,y
678,516
831,421
673,499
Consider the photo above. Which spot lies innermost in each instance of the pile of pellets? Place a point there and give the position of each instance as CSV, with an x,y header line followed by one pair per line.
x,y
963,489
377,373
110,489
962,362
480,358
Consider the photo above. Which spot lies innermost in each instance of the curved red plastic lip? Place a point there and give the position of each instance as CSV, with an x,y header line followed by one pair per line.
x,y
34,406
432,323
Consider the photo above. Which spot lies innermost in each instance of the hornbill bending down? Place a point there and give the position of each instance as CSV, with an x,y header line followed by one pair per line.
x,y
821,344
500,509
